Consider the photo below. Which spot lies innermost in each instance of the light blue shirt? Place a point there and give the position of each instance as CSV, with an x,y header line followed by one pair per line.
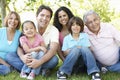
x,y
5,47
69,42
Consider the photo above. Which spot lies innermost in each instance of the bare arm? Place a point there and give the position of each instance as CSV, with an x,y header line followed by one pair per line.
x,y
60,53
3,62
36,49
22,56
50,53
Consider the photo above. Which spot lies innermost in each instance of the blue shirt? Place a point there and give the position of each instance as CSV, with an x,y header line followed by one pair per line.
x,y
69,42
4,46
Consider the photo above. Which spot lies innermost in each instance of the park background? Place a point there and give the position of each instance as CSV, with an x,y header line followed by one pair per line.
x,y
109,11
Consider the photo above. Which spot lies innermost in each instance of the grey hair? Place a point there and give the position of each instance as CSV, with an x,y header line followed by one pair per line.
x,y
90,12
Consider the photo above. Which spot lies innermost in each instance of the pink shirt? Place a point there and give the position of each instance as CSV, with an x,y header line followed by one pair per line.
x,y
104,45
61,37
37,41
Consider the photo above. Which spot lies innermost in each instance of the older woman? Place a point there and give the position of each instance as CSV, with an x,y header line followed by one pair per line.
x,y
9,39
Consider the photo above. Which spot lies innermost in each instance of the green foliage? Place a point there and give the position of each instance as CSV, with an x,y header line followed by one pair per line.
x,y
78,7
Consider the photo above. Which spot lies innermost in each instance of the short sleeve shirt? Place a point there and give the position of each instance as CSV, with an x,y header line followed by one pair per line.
x,y
69,42
51,35
37,41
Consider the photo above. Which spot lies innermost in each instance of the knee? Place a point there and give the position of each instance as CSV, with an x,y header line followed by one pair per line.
x,y
5,71
55,59
74,51
85,49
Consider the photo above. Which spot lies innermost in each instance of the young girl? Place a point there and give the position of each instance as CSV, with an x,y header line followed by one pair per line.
x,y
77,44
32,43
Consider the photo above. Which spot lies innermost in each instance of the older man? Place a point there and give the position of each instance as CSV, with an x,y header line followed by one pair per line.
x,y
104,38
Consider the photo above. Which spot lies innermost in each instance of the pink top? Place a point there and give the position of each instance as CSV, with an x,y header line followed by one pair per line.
x,y
61,37
37,41
104,45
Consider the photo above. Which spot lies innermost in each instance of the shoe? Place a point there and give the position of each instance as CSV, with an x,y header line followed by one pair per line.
x,y
104,70
31,76
61,75
96,76
45,72
23,75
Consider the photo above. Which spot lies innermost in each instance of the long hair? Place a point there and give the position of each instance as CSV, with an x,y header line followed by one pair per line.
x,y
56,22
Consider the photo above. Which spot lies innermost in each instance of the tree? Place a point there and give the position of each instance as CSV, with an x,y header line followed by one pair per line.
x,y
3,10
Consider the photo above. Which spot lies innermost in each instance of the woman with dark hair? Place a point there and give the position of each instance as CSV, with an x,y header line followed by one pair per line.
x,y
61,18
10,39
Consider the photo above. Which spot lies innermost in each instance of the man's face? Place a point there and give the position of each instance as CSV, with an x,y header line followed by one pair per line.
x,y
43,18
93,23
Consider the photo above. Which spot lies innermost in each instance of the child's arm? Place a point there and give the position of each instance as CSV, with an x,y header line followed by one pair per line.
x,y
28,50
66,52
42,47
3,62
36,49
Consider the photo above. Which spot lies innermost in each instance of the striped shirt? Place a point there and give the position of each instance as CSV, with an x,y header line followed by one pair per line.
x,y
105,45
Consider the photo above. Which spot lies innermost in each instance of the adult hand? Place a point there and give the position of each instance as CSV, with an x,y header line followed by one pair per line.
x,y
25,58
33,63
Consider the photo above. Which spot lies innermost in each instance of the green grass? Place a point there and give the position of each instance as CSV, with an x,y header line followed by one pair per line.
x,y
82,76
14,75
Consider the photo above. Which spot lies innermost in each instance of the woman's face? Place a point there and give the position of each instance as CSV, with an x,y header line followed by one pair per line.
x,y
63,18
13,21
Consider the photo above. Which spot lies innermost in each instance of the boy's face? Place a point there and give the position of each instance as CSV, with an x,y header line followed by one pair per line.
x,y
75,28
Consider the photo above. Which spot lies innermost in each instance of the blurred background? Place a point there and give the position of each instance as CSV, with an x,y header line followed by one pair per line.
x,y
109,10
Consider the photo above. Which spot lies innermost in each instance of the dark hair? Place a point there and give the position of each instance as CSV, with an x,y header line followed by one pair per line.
x,y
44,7
28,21
76,20
56,22
8,16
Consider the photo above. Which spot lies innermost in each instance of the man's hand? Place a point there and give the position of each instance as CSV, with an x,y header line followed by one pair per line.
x,y
33,63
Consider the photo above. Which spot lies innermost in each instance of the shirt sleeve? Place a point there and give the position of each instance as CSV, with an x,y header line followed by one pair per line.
x,y
54,35
87,41
115,33
22,40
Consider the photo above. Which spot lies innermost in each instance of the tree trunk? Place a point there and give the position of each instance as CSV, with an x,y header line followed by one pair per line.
x,y
3,10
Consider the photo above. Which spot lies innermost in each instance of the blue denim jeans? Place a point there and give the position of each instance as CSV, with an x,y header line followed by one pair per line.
x,y
74,55
52,63
36,71
115,67
4,69
14,60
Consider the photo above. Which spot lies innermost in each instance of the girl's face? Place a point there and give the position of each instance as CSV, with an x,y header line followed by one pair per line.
x,y
63,18
75,28
29,30
13,21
